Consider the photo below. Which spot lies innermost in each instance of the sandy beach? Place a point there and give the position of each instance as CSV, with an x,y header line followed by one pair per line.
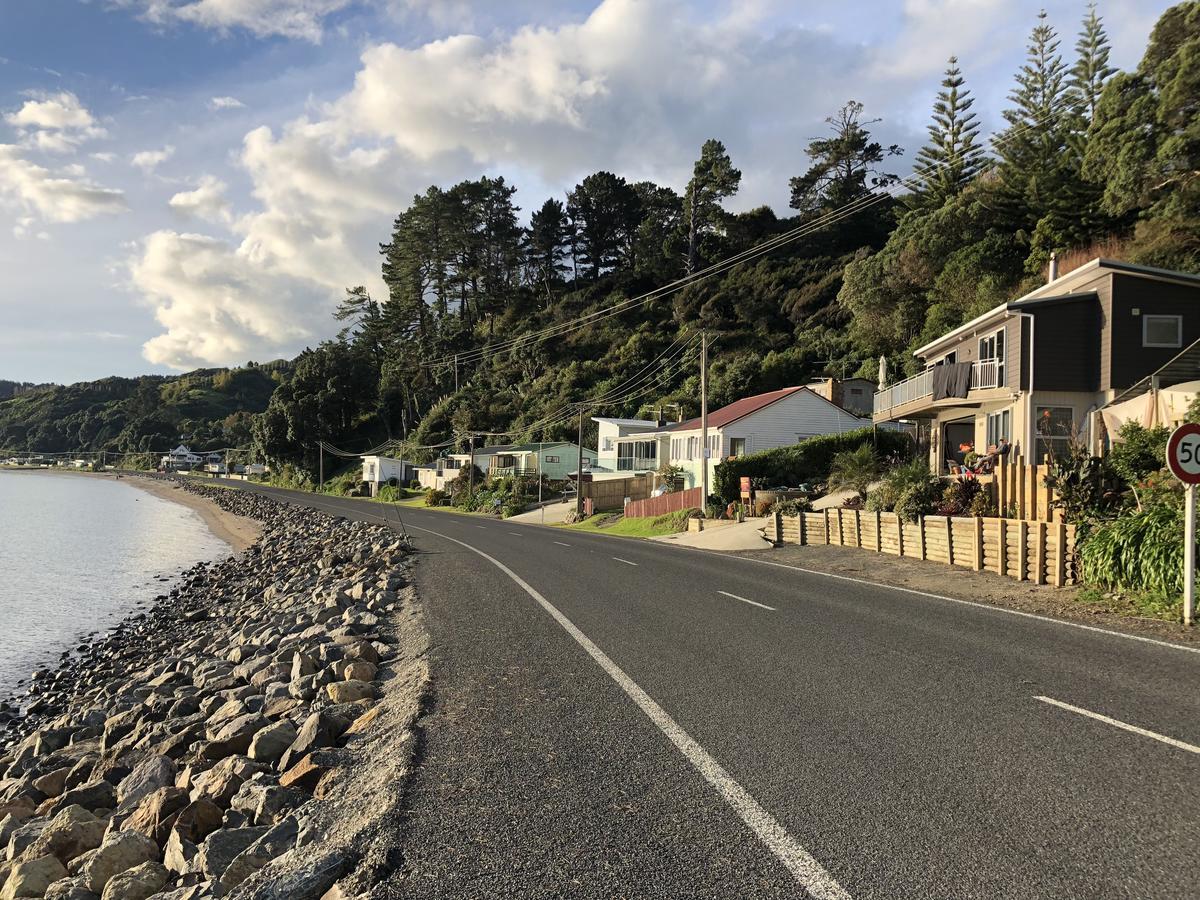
x,y
236,531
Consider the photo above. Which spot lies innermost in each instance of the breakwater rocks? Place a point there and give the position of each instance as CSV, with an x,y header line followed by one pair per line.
x,y
248,736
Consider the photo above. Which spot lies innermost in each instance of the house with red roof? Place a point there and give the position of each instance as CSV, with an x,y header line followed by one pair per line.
x,y
774,419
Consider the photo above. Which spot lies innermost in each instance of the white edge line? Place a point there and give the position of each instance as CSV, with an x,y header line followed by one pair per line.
x,y
744,600
988,606
627,562
809,873
1116,723
560,543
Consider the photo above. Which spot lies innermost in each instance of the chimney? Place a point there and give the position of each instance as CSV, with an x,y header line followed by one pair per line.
x,y
1053,267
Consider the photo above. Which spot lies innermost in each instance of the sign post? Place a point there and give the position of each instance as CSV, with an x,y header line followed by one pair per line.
x,y
1183,459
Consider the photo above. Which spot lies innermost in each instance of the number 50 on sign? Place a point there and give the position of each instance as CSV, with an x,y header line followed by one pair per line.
x,y
1183,459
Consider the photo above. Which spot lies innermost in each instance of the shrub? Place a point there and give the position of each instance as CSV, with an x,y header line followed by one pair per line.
x,y
896,481
983,505
434,497
1084,486
1138,453
514,505
1140,551
808,461
958,497
793,506
918,499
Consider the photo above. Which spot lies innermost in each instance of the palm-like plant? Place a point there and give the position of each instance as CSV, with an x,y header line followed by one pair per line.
x,y
854,470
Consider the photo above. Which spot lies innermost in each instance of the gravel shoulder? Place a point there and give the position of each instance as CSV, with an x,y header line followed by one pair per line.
x,y
977,587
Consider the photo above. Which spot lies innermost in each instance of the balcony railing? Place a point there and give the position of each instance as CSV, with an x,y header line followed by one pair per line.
x,y
636,463
985,375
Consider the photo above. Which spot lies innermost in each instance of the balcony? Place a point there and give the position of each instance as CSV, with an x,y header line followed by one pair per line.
x,y
636,463
916,393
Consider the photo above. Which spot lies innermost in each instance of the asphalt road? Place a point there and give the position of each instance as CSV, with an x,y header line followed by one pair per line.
x,y
646,721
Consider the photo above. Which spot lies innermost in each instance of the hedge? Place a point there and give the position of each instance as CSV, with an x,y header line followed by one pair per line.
x,y
807,461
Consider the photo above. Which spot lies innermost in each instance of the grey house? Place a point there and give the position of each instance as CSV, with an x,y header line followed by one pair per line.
x,y
1035,370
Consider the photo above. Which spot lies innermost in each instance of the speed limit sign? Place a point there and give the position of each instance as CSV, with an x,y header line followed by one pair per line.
x,y
1183,459
1183,453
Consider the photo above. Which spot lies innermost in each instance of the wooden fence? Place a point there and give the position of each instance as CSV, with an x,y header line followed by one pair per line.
x,y
1020,491
611,493
664,503
1041,552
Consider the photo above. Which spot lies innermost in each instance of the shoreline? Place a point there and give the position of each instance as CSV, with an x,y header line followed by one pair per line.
x,y
236,531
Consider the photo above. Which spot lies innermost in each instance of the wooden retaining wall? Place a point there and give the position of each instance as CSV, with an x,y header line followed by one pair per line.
x,y
1041,552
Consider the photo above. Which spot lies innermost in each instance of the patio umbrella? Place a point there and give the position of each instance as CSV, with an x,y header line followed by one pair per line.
x,y
882,372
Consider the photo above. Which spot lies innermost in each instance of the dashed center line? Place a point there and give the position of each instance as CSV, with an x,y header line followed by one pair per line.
x,y
481,526
561,544
744,600
1125,726
627,562
517,533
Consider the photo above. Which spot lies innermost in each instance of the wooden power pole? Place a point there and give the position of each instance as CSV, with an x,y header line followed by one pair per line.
x,y
579,468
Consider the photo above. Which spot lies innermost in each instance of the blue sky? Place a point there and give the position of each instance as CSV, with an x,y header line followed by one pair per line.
x,y
193,182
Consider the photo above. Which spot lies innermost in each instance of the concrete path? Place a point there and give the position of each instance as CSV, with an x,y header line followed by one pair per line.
x,y
742,536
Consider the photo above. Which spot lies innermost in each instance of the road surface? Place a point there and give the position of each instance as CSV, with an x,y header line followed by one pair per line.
x,y
623,718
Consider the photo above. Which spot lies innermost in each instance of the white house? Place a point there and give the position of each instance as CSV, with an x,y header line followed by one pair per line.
x,y
443,470
608,464
380,470
181,458
775,419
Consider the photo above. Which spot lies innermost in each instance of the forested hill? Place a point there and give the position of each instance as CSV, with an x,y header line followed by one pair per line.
x,y
210,408
1091,162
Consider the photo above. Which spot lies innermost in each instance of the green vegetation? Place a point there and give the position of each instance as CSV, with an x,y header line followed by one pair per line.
x,y
806,462
638,527
208,408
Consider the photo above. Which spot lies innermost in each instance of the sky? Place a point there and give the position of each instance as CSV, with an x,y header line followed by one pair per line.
x,y
188,183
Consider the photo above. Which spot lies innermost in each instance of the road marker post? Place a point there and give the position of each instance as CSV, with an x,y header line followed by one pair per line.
x,y
1183,459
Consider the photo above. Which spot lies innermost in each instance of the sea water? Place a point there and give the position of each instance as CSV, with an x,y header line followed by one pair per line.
x,y
77,554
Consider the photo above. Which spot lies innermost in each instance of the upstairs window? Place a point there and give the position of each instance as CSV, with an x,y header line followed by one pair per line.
x,y
1162,331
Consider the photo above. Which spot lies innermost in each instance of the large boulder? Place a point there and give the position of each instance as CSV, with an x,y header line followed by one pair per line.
x,y
276,842
137,883
153,772
70,889
349,691
221,848
222,781
31,877
268,744
94,795
120,852
73,831
156,813
198,820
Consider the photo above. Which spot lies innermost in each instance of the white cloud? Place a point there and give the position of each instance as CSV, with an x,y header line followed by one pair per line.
x,y
149,160
216,304
55,111
54,123
301,19
54,198
206,202
104,157
225,103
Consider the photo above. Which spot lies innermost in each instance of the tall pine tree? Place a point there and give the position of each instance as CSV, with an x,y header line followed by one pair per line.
x,y
713,179
1091,69
953,156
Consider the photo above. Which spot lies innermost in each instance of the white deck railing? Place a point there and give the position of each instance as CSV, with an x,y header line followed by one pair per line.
x,y
985,375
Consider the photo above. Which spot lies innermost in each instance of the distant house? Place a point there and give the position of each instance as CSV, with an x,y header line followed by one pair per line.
x,y
1035,371
381,470
774,419
555,460
855,395
436,476
181,459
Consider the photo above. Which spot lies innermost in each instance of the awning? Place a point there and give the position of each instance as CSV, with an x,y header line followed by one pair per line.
x,y
1161,398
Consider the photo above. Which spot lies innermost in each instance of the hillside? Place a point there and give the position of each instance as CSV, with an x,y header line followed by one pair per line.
x,y
208,407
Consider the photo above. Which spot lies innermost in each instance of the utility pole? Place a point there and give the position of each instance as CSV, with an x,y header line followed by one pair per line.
x,y
456,373
704,419
321,466
471,472
579,468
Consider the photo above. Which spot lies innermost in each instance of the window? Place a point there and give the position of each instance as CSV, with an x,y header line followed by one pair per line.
x,y
991,358
856,392
1162,331
999,426
1055,426
552,459
608,444
737,446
